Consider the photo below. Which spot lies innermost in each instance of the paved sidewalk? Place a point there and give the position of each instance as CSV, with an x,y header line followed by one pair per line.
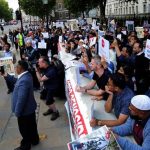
x,y
54,135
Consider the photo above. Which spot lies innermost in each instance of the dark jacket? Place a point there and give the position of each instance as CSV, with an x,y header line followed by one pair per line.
x,y
23,101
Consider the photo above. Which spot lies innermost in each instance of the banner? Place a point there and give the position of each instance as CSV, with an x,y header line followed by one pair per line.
x,y
140,32
7,63
77,122
99,139
147,49
103,49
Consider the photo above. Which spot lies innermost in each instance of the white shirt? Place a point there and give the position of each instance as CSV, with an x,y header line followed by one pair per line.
x,y
20,75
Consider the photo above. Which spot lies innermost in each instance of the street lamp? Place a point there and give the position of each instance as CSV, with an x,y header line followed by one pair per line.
x,y
45,2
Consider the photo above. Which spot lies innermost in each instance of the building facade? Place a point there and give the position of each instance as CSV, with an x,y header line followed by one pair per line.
x,y
120,8
61,13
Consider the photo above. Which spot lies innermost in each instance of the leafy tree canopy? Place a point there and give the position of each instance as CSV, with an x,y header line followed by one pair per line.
x,y
36,7
5,11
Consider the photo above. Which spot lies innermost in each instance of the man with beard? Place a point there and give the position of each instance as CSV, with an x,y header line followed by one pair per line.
x,y
118,100
138,125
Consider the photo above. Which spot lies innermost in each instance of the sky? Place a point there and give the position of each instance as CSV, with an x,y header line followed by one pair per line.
x,y
13,4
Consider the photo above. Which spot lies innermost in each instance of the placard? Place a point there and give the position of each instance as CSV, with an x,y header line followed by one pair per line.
x,y
94,23
103,49
130,25
147,49
45,35
92,41
42,45
7,62
119,37
140,32
59,25
101,33
89,20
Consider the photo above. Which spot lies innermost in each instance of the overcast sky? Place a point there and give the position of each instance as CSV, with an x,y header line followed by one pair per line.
x,y
13,4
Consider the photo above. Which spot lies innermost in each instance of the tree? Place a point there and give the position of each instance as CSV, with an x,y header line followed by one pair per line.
x,y
76,6
36,7
80,6
5,11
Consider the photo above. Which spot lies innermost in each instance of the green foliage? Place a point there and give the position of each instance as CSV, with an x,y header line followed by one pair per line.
x,y
5,11
36,7
78,6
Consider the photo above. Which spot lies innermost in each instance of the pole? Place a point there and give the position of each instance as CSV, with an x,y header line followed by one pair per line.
x,y
47,24
20,16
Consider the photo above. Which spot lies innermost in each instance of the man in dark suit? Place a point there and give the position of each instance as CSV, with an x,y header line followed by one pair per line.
x,y
24,106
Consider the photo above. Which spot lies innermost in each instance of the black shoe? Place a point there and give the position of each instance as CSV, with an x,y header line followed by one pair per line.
x,y
55,115
35,143
22,148
48,112
9,91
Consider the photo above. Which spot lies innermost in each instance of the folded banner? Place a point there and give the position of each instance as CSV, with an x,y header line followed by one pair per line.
x,y
100,139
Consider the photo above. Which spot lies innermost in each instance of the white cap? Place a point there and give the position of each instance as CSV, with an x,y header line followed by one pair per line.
x,y
141,102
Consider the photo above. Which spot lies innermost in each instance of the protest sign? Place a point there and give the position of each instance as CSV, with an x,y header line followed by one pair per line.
x,y
103,49
99,139
147,49
130,25
119,36
73,24
7,63
140,32
101,33
94,23
60,39
124,32
45,35
59,25
92,41
2,54
89,20
42,45
74,27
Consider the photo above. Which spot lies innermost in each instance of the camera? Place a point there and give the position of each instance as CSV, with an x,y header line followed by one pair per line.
x,y
2,70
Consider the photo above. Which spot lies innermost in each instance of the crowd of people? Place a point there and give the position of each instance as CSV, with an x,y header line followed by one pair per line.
x,y
123,82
